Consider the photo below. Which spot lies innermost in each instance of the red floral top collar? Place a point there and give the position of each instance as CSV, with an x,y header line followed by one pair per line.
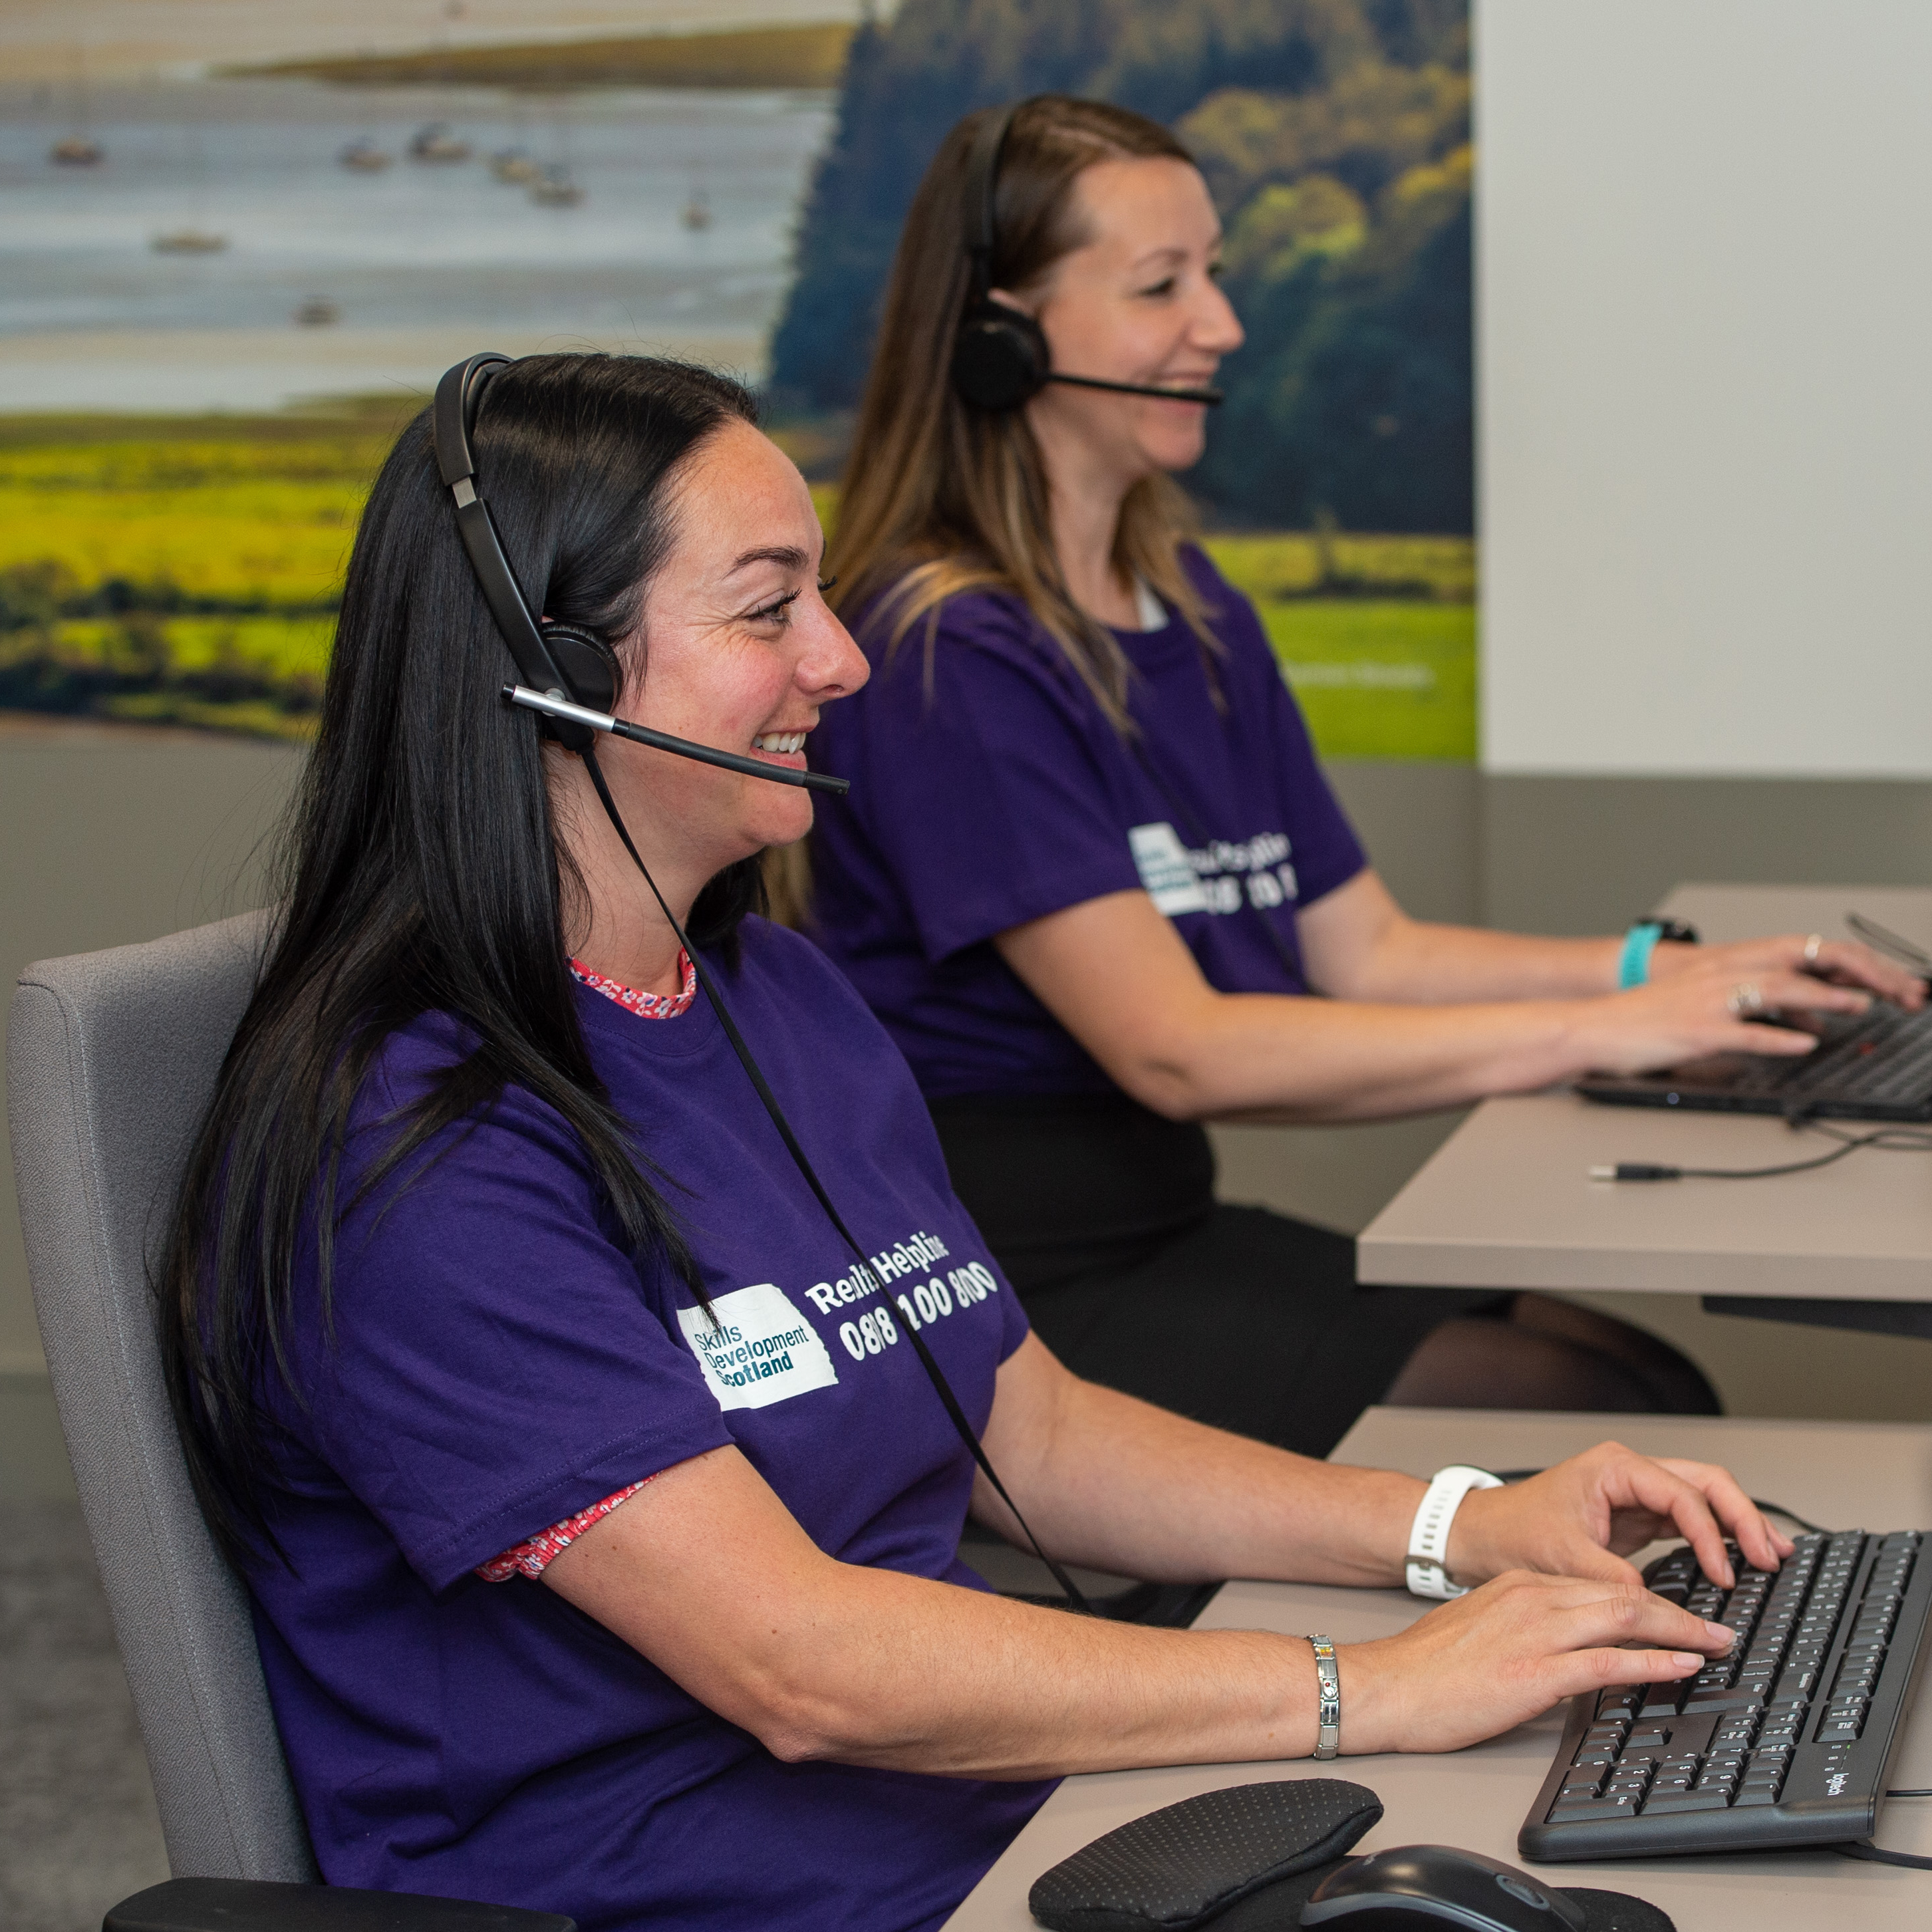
x,y
646,1005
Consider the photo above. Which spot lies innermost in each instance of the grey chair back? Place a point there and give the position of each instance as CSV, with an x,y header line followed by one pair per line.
x,y
111,1059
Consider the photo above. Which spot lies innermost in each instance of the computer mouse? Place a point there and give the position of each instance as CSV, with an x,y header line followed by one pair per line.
x,y
1429,1888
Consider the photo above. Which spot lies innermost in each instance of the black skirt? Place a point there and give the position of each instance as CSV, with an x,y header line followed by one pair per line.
x,y
1103,1215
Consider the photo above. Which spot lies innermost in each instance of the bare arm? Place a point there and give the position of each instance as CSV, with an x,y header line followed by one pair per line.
x,y
1107,1480
1116,974
705,1572
1116,1484
1358,944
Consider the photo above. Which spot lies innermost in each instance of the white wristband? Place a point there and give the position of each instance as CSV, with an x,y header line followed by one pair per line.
x,y
1428,1535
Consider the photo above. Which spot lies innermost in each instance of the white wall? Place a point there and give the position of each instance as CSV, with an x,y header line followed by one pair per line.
x,y
1705,321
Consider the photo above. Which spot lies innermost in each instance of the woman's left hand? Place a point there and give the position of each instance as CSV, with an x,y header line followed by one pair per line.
x,y
1842,962
1583,1517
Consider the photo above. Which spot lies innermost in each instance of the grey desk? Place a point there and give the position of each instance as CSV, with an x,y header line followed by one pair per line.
x,y
1877,1474
1506,1203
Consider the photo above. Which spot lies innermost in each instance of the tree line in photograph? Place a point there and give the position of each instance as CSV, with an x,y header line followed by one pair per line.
x,y
1335,135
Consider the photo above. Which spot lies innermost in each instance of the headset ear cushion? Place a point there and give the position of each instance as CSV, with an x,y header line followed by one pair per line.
x,y
589,665
1001,359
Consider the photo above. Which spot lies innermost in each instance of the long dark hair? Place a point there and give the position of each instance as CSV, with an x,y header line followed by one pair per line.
x,y
422,873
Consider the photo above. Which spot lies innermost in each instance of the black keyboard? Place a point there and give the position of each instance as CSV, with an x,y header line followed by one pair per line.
x,y
1883,1056
1788,1740
1874,1066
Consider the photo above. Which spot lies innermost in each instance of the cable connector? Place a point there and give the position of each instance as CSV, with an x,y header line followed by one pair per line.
x,y
1635,1170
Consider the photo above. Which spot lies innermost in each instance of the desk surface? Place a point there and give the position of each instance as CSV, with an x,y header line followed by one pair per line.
x,y
1877,1475
1505,1202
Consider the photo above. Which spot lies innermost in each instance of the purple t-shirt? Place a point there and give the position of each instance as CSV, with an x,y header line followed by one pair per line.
x,y
989,788
499,1364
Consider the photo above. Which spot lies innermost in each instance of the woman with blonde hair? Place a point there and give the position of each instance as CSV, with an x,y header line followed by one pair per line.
x,y
1093,880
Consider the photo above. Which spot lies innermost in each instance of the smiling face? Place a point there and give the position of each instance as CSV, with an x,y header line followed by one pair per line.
x,y
1136,302
736,649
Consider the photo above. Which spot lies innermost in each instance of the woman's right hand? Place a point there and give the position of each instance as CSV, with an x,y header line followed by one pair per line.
x,y
1507,1652
1690,1015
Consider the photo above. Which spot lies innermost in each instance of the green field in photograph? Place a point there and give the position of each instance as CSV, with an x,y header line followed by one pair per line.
x,y
1380,679
282,648
187,570
242,511
1377,636
1306,563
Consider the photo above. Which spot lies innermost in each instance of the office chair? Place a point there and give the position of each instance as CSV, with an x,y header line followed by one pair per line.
x,y
111,1059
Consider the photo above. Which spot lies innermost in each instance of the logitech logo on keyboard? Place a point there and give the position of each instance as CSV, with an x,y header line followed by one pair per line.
x,y
1834,1785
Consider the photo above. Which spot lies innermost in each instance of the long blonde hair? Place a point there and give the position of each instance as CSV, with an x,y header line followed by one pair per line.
x,y
939,498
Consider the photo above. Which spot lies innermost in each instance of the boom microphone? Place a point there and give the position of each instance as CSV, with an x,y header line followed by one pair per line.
x,y
562,708
1209,396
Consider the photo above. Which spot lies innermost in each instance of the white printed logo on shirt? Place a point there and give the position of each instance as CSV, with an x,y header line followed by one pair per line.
x,y
1162,862
762,1350
1215,878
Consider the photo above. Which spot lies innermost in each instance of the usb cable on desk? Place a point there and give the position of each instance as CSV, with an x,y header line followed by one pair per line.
x,y
1903,1140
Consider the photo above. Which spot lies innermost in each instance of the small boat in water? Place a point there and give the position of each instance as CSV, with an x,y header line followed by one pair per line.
x,y
697,216
434,142
317,313
513,165
362,157
188,241
76,150
554,188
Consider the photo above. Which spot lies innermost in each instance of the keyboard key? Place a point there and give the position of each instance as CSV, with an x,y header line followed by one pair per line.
x,y
1838,1731
1753,1794
1747,1696
1564,1812
1667,1802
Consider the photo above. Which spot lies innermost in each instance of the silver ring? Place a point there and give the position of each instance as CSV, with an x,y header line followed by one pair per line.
x,y
1811,946
1745,1000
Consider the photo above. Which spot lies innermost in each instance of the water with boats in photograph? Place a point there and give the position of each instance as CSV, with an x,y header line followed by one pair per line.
x,y
240,244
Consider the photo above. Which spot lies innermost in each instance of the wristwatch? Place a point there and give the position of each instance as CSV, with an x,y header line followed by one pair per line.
x,y
1427,1571
1640,941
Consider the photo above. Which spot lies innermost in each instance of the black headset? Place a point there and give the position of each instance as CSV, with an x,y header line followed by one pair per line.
x,y
549,657
568,675
999,358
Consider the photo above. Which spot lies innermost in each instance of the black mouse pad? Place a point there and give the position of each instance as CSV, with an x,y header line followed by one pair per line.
x,y
1277,1907
1178,1868
1618,1911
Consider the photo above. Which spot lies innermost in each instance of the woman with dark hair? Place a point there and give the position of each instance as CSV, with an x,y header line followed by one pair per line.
x,y
1092,876
598,1511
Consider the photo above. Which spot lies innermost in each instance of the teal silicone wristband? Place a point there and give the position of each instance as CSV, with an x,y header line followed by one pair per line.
x,y
1639,943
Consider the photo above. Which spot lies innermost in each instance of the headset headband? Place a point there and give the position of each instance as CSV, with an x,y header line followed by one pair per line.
x,y
452,421
982,183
